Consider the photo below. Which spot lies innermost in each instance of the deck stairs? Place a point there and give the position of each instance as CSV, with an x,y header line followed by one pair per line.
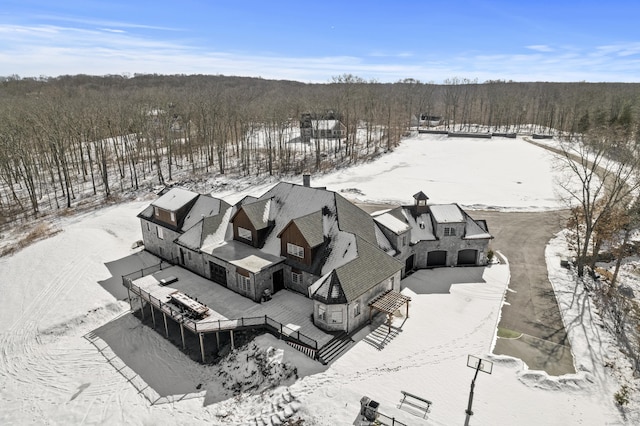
x,y
335,348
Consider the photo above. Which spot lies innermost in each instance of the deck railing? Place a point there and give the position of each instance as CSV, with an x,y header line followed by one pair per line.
x,y
211,326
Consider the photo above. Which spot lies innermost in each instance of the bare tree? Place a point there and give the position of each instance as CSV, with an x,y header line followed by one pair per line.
x,y
596,184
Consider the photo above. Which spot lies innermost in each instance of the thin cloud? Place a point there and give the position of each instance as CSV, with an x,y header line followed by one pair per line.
x,y
541,48
58,50
102,23
111,30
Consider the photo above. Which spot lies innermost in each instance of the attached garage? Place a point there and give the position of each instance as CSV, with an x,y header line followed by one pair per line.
x,y
436,258
218,273
467,257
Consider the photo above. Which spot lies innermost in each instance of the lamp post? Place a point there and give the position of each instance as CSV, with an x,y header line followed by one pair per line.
x,y
477,364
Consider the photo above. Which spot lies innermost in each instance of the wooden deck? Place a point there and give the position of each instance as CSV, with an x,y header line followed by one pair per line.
x,y
228,310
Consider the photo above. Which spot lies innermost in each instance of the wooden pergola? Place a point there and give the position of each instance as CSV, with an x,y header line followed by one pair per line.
x,y
388,303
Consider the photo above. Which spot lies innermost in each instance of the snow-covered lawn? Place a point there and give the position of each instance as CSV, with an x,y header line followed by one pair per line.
x,y
54,304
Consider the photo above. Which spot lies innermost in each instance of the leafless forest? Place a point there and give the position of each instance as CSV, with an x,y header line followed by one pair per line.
x,y
72,141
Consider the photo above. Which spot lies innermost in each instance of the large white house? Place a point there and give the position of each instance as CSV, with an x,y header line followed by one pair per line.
x,y
311,241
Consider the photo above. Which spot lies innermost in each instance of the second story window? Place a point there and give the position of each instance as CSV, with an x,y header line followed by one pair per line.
x,y
160,233
449,232
244,233
295,250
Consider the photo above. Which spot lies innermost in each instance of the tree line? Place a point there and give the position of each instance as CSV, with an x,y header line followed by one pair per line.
x,y
70,139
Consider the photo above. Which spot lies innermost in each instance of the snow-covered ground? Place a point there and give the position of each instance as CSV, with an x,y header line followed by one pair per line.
x,y
57,317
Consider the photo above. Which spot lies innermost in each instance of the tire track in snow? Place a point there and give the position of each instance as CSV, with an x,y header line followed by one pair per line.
x,y
30,361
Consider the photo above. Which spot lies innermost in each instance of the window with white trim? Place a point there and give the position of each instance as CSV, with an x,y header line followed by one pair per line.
x,y
322,313
156,211
173,216
244,283
449,232
295,250
336,317
356,309
245,233
296,278
160,232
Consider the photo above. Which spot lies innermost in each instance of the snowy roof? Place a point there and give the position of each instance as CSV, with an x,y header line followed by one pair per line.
x,y
175,199
204,206
447,213
353,279
245,256
392,223
474,230
258,213
340,218
421,226
384,243
215,230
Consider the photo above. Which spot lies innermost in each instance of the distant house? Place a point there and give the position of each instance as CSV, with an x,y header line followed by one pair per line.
x,y
321,129
311,241
430,120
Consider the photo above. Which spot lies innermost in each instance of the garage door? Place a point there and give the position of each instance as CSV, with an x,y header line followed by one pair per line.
x,y
218,273
467,257
437,258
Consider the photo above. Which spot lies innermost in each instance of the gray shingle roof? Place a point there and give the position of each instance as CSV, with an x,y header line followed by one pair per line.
x,y
311,228
353,219
371,267
257,213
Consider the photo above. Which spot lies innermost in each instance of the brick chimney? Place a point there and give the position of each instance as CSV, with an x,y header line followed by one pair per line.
x,y
306,180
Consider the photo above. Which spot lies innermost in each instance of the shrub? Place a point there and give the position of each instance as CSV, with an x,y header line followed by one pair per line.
x,y
622,396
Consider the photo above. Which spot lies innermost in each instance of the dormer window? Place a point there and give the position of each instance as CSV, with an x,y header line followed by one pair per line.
x,y
245,234
449,232
422,202
156,211
295,250
173,216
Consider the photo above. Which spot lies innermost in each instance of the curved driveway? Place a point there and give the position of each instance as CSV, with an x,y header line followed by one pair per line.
x,y
531,309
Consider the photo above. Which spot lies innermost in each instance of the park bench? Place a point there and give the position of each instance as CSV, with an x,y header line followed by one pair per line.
x,y
415,402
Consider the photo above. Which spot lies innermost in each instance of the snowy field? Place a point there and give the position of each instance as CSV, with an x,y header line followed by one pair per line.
x,y
498,173
56,304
